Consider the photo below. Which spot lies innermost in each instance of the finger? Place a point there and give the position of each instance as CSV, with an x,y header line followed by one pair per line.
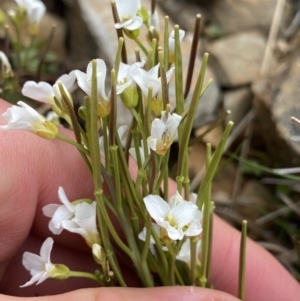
x,y
129,294
31,170
266,278
16,275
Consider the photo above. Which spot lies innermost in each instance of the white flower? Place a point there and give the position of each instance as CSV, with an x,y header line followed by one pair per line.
x,y
58,213
185,251
24,117
172,43
84,81
125,79
76,217
146,79
127,11
163,132
40,267
35,9
84,222
44,92
182,219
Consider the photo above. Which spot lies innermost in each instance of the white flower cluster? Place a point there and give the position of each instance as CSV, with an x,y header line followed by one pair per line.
x,y
175,220
163,130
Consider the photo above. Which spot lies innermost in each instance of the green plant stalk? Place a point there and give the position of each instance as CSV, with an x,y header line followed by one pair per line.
x,y
149,61
186,180
202,193
138,184
136,142
163,171
74,123
166,43
93,132
188,124
192,56
72,142
210,240
163,77
117,174
125,172
118,56
206,224
113,113
242,262
154,53
178,75
179,181
193,250
129,233
140,44
106,143
148,113
119,31
141,129
78,274
147,239
172,265
178,276
166,177
111,228
104,220
162,255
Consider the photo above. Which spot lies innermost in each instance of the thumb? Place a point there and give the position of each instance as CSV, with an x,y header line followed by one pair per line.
x,y
145,294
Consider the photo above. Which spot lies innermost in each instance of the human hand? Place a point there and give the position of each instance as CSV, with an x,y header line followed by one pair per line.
x,y
32,169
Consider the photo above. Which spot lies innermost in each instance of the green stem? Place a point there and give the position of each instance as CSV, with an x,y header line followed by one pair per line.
x,y
242,264
172,265
193,248
206,224
202,193
140,44
83,275
72,142
189,121
166,43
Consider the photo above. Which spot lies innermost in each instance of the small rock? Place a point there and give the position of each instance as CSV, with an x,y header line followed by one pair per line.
x,y
238,101
237,58
276,101
245,15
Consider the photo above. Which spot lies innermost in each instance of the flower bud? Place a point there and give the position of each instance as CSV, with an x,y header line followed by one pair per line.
x,y
103,108
132,34
60,271
130,97
49,131
157,106
143,13
98,254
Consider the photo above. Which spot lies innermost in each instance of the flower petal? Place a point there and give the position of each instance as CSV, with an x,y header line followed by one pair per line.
x,y
40,91
156,207
46,249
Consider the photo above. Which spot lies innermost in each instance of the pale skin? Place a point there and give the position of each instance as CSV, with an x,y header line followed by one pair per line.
x,y
32,169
